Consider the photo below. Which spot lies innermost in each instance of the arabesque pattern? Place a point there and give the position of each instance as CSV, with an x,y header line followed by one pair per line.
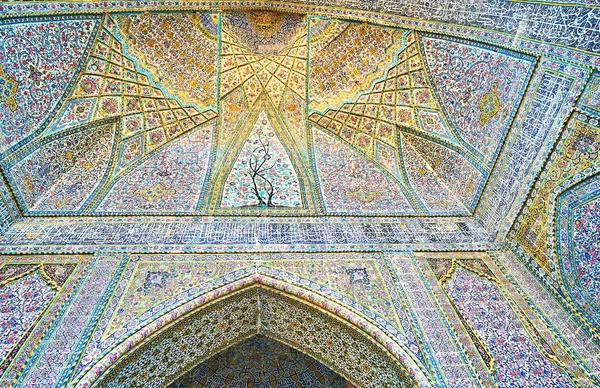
x,y
478,87
39,59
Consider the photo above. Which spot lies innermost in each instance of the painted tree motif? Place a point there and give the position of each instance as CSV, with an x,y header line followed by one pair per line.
x,y
260,164
263,175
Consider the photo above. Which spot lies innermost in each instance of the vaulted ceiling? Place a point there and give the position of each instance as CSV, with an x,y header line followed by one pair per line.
x,y
371,183
257,112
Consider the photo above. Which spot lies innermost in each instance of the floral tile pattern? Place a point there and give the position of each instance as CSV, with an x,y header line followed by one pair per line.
x,y
576,152
264,362
23,301
478,87
153,284
391,103
38,61
263,174
64,172
577,234
352,183
184,59
339,62
282,319
34,291
518,362
169,179
400,121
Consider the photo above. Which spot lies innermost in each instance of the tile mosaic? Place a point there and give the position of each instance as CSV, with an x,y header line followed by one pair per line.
x,y
404,141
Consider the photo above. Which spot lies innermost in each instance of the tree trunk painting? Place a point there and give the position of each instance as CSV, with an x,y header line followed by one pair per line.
x,y
259,165
263,175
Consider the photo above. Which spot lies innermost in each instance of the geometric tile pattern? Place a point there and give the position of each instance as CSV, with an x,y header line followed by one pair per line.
x,y
6,218
394,99
280,66
399,123
280,318
113,84
263,66
340,64
545,108
391,103
154,285
151,122
181,234
178,49
153,290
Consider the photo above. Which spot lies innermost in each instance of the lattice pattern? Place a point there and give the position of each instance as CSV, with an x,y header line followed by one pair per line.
x,y
401,97
113,85
258,72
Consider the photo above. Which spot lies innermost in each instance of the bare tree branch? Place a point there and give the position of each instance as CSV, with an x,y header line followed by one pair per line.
x,y
258,168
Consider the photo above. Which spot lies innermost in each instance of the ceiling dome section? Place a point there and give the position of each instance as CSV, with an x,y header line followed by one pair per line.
x,y
266,112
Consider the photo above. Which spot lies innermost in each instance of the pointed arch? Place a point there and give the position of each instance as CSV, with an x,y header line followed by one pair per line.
x,y
328,332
